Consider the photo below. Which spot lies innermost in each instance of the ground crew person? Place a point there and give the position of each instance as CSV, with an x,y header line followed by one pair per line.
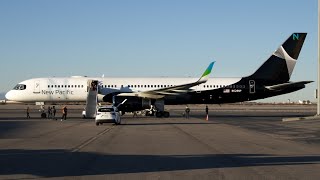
x,y
49,113
54,112
28,113
187,112
64,113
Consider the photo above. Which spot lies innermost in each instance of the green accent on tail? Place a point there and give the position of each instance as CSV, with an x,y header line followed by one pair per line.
x,y
208,70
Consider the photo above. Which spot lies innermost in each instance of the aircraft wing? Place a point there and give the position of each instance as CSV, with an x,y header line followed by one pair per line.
x,y
288,85
173,90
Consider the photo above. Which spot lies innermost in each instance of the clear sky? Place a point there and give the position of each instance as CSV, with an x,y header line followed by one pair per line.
x,y
152,38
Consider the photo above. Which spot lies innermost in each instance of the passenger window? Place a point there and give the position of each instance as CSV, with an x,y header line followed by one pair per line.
x,y
68,86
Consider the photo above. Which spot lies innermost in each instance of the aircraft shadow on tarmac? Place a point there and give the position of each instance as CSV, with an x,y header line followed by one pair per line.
x,y
60,163
282,115
166,123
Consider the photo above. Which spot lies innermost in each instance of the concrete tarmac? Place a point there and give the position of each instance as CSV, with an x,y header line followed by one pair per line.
x,y
238,142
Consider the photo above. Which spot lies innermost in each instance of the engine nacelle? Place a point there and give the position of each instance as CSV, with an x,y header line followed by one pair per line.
x,y
132,103
108,98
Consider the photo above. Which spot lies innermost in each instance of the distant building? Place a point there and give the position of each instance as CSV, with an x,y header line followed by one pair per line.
x,y
305,102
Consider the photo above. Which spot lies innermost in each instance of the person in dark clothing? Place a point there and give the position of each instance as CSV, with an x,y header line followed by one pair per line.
x,y
187,110
54,111
207,110
49,113
28,113
64,113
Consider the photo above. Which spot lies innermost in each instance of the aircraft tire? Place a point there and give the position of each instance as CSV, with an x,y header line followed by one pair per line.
x,y
159,114
43,115
117,123
166,114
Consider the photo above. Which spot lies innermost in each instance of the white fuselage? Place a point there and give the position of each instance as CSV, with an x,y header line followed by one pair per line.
x,y
75,89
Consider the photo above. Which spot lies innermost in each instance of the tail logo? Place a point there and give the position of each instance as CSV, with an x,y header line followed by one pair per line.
x,y
295,37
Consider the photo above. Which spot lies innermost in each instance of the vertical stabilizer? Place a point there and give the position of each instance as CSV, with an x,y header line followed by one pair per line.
x,y
280,65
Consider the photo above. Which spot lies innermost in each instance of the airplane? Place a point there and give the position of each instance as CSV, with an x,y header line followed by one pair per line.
x,y
270,79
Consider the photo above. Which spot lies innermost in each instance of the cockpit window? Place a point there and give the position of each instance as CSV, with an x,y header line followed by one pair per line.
x,y
20,87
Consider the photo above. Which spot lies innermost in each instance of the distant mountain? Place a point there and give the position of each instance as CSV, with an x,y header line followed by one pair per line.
x,y
2,95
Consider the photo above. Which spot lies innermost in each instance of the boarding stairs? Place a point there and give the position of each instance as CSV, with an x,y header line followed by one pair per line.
x,y
92,99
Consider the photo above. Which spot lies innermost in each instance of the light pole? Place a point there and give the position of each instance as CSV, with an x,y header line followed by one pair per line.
x,y
318,91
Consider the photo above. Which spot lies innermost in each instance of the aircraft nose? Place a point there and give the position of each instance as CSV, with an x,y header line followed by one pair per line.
x,y
8,95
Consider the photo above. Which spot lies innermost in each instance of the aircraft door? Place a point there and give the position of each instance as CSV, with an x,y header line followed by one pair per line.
x,y
36,87
252,86
92,85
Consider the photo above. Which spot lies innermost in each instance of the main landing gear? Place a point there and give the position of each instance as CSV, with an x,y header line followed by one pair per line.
x,y
159,106
164,114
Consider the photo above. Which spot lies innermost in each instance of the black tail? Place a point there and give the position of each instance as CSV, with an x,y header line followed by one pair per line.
x,y
280,65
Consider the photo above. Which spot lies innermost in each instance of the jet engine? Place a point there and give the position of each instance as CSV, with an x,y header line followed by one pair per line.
x,y
131,104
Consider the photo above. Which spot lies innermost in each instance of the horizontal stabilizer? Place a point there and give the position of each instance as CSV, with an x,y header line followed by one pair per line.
x,y
288,85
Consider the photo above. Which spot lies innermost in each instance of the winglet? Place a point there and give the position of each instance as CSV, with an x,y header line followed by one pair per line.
x,y
205,75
